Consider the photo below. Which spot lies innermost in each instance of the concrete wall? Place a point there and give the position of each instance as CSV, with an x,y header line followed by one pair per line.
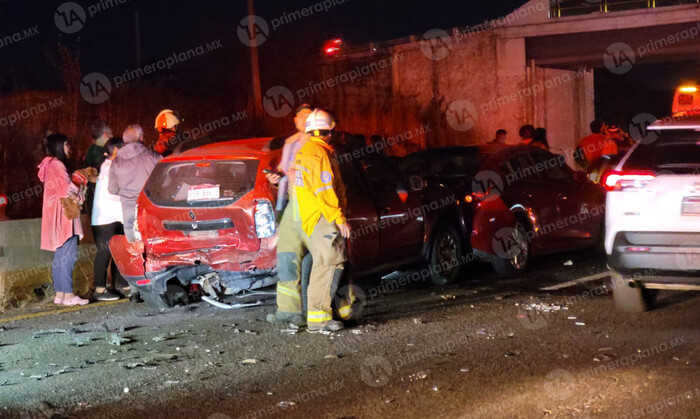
x,y
24,266
464,87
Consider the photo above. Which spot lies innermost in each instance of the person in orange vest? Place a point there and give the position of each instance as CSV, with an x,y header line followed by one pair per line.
x,y
168,127
595,146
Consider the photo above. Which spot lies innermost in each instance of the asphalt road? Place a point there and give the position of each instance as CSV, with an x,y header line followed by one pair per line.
x,y
547,344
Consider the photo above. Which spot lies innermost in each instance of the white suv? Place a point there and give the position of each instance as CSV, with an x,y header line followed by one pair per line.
x,y
653,214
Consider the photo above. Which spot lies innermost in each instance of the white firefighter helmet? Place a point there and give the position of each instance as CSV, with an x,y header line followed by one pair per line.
x,y
167,120
319,120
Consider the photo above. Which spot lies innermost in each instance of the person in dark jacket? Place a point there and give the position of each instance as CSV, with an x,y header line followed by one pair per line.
x,y
129,172
101,133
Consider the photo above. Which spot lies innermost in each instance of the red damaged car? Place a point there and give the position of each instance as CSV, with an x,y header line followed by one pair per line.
x,y
520,201
206,221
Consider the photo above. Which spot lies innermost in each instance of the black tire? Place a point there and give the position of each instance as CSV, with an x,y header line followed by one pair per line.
x,y
174,295
446,250
630,296
513,261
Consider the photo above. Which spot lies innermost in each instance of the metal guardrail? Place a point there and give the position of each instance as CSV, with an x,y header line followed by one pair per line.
x,y
563,8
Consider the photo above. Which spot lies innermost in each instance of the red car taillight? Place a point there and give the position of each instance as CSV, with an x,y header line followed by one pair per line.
x,y
616,180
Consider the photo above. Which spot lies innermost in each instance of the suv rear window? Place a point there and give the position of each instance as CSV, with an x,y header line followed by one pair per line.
x,y
674,151
202,183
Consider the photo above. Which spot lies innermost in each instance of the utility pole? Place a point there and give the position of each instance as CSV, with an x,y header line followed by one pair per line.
x,y
254,63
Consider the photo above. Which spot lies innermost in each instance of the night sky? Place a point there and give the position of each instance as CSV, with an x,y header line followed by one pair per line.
x,y
107,43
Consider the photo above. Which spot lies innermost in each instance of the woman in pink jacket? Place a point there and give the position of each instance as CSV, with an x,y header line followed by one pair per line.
x,y
58,233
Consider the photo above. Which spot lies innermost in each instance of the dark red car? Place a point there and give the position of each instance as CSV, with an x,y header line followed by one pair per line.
x,y
520,201
206,218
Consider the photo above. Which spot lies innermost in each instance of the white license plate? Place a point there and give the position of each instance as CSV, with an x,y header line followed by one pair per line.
x,y
203,192
691,205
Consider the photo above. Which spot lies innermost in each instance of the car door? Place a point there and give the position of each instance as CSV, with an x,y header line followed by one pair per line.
x,y
400,224
362,216
524,189
578,217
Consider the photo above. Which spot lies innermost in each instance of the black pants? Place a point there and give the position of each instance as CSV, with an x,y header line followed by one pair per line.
x,y
102,235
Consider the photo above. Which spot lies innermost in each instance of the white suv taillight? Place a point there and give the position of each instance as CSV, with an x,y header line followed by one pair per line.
x,y
264,219
616,180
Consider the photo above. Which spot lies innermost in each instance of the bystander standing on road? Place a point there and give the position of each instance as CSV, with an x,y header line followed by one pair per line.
x,y
107,221
128,174
59,233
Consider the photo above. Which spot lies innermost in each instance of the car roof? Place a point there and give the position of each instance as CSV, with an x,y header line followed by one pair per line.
x,y
682,122
249,147
489,149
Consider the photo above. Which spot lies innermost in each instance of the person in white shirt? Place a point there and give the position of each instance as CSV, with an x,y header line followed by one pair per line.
x,y
107,221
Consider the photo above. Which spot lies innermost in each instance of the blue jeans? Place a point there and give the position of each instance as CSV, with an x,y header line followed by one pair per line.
x,y
63,263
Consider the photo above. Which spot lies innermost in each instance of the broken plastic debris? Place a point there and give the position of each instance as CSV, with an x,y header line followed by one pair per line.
x,y
448,297
569,263
464,370
580,324
286,404
331,357
250,361
417,321
117,340
126,389
42,333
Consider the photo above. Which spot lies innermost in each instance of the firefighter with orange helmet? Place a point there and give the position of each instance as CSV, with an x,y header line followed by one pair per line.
x,y
168,127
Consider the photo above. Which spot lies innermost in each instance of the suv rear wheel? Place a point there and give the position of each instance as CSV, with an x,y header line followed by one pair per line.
x,y
445,253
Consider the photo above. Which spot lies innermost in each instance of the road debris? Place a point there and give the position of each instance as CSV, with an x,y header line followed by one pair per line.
x,y
286,404
417,320
79,341
331,357
569,263
250,361
580,324
117,340
50,332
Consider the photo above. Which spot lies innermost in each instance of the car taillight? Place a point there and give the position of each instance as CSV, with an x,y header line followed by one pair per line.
x,y
616,180
264,219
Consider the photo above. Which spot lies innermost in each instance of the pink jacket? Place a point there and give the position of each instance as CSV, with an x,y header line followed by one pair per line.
x,y
56,228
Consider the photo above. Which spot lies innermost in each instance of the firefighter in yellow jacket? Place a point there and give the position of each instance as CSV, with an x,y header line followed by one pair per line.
x,y
321,226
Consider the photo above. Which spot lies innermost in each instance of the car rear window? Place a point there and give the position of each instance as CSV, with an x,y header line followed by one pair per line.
x,y
203,183
673,151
